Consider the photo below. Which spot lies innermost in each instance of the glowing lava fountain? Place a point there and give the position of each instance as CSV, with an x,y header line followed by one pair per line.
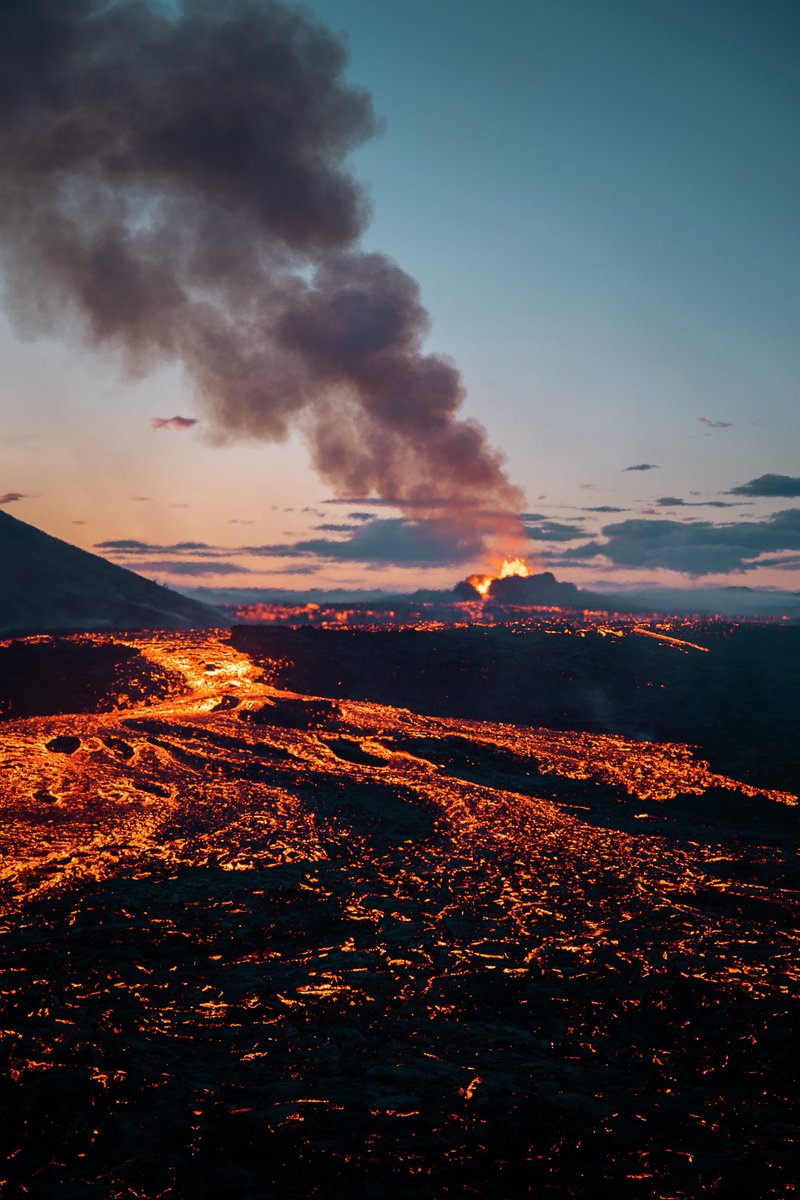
x,y
509,566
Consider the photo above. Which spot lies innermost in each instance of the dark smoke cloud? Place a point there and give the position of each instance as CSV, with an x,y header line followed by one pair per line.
x,y
175,186
426,501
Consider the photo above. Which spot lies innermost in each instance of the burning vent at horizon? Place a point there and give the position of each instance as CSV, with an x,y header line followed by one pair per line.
x,y
175,187
508,569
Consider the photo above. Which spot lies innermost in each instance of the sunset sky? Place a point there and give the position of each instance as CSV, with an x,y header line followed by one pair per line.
x,y
599,202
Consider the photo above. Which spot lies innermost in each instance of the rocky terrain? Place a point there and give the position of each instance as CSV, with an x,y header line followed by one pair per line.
x,y
269,943
726,687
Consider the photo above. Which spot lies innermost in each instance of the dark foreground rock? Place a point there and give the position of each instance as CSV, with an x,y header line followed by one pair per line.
x,y
219,1034
76,675
739,703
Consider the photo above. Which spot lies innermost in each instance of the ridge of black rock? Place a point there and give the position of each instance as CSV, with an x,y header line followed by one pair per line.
x,y
543,589
47,584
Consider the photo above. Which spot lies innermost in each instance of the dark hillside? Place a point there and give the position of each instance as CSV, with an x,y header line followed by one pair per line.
x,y
47,584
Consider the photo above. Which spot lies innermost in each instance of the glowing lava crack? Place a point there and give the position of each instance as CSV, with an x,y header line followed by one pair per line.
x,y
335,945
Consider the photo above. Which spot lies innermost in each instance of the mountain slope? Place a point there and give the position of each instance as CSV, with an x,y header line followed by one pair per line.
x,y
47,584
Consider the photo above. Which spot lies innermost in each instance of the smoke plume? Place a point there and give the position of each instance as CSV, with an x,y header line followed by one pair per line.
x,y
173,185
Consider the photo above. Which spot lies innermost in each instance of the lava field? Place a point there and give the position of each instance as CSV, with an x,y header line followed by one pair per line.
x,y
265,943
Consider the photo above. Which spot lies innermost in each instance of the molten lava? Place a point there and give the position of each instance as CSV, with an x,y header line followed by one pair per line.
x,y
508,567
286,936
514,566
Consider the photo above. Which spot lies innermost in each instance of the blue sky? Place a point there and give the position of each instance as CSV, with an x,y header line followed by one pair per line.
x,y
599,203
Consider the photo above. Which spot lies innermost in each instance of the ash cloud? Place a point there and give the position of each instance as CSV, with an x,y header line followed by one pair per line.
x,y
174,185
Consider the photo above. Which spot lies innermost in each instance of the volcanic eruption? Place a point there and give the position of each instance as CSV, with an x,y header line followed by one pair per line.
x,y
508,568
174,186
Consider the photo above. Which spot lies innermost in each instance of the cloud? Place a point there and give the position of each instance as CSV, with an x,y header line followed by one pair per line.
x,y
676,502
173,422
769,485
783,562
715,424
606,508
398,542
12,497
697,547
185,566
426,502
132,546
642,467
554,531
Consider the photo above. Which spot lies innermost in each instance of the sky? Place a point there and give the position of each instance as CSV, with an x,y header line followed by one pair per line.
x,y
599,205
